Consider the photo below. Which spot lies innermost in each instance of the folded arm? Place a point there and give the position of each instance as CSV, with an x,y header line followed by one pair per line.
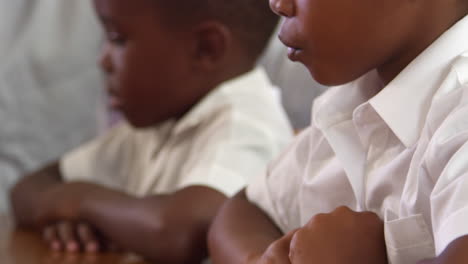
x,y
27,195
164,228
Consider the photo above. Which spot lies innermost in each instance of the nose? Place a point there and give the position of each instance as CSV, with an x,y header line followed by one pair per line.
x,y
105,59
284,8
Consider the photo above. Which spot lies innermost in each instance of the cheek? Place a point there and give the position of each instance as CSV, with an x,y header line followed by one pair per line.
x,y
341,47
128,71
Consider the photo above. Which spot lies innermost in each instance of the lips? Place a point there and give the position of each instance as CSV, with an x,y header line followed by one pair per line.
x,y
294,51
115,103
113,98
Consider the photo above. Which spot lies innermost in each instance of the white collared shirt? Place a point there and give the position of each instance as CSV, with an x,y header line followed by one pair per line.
x,y
401,153
230,135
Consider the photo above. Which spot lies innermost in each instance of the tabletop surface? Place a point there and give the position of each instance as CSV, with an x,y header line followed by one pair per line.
x,y
23,247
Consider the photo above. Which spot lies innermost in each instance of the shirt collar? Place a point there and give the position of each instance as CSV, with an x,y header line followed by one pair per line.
x,y
222,97
414,88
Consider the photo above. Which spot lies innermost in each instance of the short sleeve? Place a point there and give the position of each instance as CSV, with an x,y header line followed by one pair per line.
x,y
449,200
276,191
230,150
106,160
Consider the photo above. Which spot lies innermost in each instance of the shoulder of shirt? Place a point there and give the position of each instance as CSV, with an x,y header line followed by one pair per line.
x,y
252,87
449,108
250,95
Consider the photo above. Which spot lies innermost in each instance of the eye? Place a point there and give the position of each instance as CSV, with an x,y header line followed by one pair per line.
x,y
116,38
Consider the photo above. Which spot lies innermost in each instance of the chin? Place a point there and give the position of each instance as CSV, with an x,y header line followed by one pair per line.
x,y
329,77
142,123
138,123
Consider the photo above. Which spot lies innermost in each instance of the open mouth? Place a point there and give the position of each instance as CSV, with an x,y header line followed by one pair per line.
x,y
293,50
114,102
113,98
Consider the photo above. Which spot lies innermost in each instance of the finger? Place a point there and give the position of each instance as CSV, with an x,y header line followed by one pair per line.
x,y
278,252
342,210
284,247
290,235
50,236
294,242
88,238
67,235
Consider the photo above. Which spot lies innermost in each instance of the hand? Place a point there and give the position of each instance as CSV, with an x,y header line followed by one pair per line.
x,y
276,253
342,236
72,237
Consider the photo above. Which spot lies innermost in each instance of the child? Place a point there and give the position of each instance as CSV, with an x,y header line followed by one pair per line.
x,y
387,151
202,119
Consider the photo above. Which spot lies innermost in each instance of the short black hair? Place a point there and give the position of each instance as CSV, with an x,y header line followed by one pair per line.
x,y
251,21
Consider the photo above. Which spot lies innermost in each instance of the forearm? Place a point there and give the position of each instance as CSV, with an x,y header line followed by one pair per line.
x,y
125,220
27,195
165,229
240,232
455,253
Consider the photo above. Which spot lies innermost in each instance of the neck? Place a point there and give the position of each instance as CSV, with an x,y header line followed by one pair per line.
x,y
430,26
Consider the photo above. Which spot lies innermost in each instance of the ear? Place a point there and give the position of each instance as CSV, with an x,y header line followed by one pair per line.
x,y
213,40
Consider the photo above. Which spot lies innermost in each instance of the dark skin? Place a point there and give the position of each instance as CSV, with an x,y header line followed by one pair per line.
x,y
163,228
156,70
319,240
148,59
338,41
348,38
262,232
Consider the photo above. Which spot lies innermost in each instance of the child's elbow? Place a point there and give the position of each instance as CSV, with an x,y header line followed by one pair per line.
x,y
17,201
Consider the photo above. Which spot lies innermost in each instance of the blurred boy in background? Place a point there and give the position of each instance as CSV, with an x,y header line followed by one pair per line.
x,y
201,118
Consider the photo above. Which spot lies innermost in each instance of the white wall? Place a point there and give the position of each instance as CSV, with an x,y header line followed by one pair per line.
x,y
50,87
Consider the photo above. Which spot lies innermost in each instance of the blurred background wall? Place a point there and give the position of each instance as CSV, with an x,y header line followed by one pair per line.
x,y
50,88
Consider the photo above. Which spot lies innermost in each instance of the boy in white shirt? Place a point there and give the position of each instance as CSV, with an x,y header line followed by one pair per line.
x,y
200,121
381,174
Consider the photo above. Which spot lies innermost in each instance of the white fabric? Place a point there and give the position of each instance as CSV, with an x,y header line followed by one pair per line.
x,y
401,153
50,86
231,134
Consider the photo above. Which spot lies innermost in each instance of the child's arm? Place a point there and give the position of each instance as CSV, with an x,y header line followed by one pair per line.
x,y
164,228
35,206
242,233
27,195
